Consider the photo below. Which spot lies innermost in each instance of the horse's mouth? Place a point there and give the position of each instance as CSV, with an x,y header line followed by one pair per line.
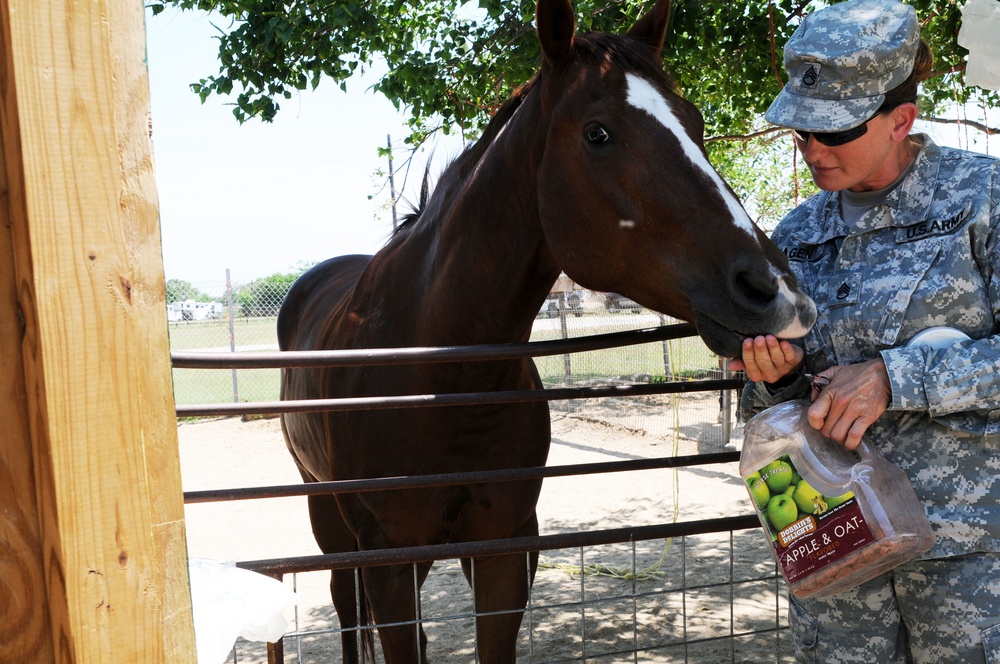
x,y
720,339
791,316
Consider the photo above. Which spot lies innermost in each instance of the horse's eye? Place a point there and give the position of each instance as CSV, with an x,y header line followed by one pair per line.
x,y
598,135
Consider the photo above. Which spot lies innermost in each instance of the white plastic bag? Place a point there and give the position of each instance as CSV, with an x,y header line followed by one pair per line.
x,y
229,602
979,34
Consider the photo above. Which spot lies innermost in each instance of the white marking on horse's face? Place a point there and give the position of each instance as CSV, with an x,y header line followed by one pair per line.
x,y
642,95
626,223
796,327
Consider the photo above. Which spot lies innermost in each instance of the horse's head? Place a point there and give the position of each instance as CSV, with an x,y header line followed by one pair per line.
x,y
628,200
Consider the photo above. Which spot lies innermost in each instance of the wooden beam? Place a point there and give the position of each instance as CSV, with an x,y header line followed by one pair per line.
x,y
92,512
24,626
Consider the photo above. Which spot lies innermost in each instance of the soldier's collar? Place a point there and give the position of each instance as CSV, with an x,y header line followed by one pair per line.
x,y
908,201
911,200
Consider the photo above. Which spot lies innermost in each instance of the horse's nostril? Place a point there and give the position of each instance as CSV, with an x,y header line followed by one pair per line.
x,y
756,288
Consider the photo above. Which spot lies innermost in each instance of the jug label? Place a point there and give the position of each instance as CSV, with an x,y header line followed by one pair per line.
x,y
808,529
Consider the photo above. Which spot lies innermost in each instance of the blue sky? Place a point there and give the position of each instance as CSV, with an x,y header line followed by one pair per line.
x,y
261,198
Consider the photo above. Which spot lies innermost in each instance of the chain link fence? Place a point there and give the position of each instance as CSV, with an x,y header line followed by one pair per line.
x,y
244,319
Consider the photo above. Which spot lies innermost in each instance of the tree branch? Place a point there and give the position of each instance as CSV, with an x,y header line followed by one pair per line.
x,y
769,132
986,129
776,132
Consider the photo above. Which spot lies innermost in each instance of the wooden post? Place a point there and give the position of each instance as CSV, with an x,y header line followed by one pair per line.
x,y
92,542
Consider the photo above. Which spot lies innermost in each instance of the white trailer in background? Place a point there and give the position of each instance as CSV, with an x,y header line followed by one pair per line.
x,y
191,310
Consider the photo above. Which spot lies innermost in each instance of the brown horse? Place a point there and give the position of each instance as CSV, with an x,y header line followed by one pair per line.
x,y
595,167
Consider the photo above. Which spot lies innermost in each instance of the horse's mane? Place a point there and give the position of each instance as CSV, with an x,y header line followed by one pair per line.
x,y
459,168
620,51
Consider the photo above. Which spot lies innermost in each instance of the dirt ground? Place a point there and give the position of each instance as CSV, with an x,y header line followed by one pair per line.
x,y
685,595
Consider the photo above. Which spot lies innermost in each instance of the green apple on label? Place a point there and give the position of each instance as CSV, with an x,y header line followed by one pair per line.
x,y
833,501
778,475
795,473
782,511
758,489
809,500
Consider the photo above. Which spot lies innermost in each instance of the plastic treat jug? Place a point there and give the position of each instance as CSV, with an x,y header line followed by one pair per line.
x,y
835,518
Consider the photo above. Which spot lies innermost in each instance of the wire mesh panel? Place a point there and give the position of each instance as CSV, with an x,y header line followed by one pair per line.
x,y
700,598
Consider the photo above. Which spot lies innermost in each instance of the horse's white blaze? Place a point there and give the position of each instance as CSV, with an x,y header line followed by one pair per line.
x,y
626,223
642,95
795,329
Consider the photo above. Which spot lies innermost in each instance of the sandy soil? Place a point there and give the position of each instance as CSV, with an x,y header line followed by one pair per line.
x,y
686,594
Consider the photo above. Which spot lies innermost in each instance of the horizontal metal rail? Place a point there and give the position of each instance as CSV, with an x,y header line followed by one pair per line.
x,y
393,356
454,479
401,555
455,399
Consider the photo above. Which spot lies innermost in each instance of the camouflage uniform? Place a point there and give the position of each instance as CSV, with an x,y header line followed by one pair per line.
x,y
928,256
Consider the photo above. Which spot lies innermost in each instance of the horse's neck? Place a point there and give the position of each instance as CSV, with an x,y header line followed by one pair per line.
x,y
484,265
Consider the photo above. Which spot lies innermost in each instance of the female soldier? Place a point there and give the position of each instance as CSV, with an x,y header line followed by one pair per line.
x,y
904,236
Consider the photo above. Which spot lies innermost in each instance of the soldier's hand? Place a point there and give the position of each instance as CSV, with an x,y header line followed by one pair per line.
x,y
856,396
767,358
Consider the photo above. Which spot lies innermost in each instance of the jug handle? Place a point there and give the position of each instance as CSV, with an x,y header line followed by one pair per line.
x,y
864,451
824,481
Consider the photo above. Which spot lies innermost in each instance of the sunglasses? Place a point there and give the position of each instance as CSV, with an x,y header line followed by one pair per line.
x,y
834,138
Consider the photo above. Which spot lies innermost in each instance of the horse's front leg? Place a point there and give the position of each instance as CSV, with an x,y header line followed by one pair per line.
x,y
333,536
393,592
501,586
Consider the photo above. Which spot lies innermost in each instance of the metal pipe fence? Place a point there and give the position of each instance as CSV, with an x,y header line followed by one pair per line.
x,y
753,635
242,322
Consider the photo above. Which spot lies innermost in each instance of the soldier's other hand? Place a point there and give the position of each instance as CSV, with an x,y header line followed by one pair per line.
x,y
855,397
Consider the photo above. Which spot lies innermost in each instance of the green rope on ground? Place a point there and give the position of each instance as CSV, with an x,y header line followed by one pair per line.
x,y
600,569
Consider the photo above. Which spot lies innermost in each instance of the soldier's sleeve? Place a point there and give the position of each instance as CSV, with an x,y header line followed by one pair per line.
x,y
966,376
758,396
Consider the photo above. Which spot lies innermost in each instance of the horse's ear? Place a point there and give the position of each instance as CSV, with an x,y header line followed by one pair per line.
x,y
652,27
556,25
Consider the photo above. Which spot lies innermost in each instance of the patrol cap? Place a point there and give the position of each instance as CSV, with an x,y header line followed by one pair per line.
x,y
841,61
